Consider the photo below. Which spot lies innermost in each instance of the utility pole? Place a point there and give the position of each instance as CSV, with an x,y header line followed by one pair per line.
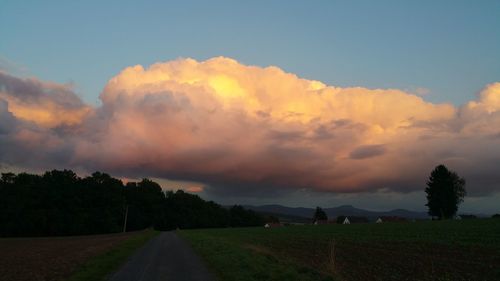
x,y
125,221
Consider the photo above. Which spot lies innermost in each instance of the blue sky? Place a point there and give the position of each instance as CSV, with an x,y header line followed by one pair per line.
x,y
448,47
447,51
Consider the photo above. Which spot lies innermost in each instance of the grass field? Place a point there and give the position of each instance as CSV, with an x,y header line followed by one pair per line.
x,y
61,258
430,250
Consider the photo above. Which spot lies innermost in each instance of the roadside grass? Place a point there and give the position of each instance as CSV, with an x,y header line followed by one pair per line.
x,y
235,261
427,250
101,266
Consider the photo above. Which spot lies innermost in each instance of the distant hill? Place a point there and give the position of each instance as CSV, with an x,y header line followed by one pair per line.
x,y
286,218
344,210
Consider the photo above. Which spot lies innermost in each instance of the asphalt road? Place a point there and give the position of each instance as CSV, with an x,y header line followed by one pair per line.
x,y
165,257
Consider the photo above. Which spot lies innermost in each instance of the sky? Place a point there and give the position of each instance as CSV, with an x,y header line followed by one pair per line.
x,y
303,104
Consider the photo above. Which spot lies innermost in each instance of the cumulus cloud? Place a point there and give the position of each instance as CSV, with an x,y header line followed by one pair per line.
x,y
38,122
260,131
43,103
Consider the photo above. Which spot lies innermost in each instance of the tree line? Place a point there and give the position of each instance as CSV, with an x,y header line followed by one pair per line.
x,y
62,203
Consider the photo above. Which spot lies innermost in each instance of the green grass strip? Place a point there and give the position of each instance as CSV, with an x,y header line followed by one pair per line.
x,y
232,261
101,266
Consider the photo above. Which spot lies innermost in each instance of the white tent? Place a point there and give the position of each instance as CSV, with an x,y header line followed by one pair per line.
x,y
346,221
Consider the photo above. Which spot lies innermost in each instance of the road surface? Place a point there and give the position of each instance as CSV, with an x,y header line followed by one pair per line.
x,y
164,258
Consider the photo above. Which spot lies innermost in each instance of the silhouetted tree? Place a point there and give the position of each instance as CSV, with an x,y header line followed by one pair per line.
x,y
319,214
144,200
445,191
102,203
61,203
242,217
184,210
22,210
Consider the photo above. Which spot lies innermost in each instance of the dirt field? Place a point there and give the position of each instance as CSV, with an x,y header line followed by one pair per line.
x,y
54,258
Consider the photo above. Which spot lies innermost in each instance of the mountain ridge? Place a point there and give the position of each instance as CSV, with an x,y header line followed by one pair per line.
x,y
332,212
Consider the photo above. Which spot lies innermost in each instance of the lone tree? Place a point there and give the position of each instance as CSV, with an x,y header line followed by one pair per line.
x,y
445,191
319,215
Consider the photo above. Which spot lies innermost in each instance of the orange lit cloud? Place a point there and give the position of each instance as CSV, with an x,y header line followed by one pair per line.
x,y
250,130
46,104
194,189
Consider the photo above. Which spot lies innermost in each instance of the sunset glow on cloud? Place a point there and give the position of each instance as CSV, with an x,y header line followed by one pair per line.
x,y
45,104
245,129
